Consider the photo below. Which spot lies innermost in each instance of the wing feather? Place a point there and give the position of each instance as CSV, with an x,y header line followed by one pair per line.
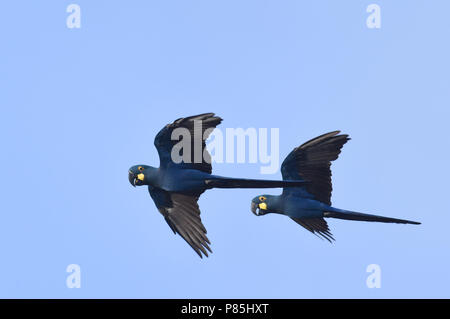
x,y
311,161
317,226
199,127
182,214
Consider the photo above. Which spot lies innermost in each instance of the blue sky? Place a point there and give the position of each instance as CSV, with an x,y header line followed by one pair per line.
x,y
80,106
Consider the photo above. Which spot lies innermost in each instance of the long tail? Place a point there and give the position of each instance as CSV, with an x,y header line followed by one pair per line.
x,y
225,182
348,215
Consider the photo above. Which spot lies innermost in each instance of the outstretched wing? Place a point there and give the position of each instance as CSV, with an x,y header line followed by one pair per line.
x,y
311,162
199,128
317,226
182,214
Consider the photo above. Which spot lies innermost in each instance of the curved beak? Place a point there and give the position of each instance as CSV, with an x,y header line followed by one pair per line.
x,y
132,178
254,208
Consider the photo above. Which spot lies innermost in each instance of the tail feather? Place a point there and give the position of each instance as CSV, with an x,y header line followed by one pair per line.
x,y
348,215
225,182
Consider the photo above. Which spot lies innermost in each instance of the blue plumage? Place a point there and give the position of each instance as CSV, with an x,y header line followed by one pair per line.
x,y
310,203
175,186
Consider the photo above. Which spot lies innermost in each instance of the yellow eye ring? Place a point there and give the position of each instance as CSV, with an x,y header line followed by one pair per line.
x,y
262,198
140,168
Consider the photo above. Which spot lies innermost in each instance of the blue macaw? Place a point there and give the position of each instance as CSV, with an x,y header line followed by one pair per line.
x,y
176,187
309,204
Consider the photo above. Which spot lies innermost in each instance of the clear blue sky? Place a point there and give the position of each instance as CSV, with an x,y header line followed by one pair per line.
x,y
80,106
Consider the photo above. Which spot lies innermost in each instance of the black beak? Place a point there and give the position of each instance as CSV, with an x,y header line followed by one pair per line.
x,y
132,178
254,208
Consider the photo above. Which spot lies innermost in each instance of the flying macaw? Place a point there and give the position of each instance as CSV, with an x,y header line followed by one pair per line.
x,y
176,187
309,204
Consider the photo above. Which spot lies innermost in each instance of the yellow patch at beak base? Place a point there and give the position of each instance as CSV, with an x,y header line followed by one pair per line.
x,y
262,206
141,177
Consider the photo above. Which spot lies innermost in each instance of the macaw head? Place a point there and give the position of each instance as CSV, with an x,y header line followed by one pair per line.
x,y
261,204
136,174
